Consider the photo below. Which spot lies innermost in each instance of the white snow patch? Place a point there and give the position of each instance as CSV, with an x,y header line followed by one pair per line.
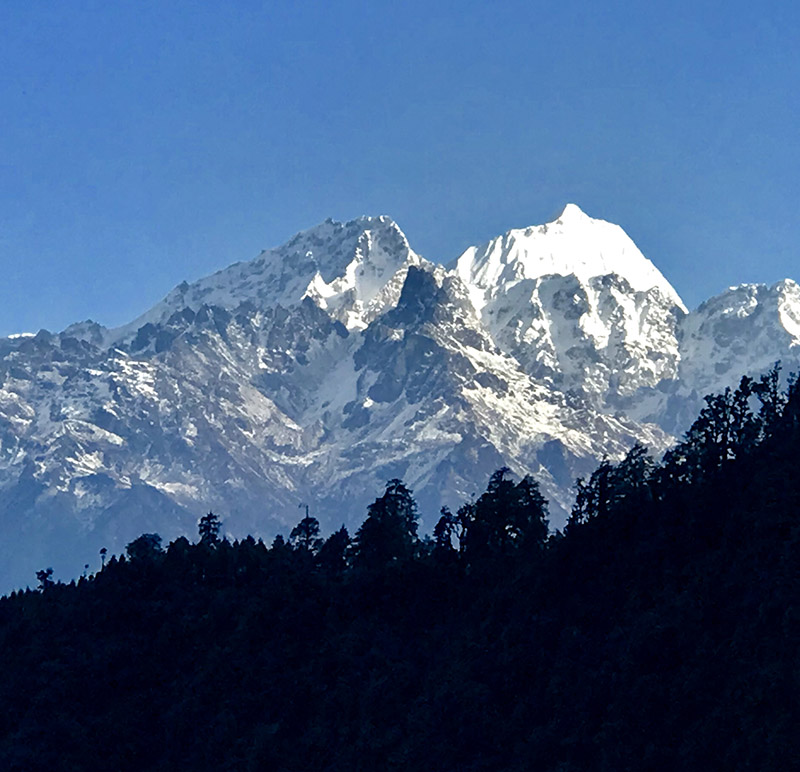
x,y
574,244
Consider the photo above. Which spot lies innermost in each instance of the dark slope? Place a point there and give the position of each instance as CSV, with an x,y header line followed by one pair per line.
x,y
661,631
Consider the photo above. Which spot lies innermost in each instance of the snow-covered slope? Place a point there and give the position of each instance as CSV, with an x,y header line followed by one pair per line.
x,y
324,367
352,270
743,330
574,244
578,305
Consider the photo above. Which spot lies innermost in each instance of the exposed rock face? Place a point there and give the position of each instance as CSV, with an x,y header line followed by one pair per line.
x,y
324,367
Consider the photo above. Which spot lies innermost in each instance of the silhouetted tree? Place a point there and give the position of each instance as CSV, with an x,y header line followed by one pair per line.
x,y
443,532
209,528
146,547
772,398
389,534
503,518
305,535
529,515
609,485
593,496
724,428
332,555
45,578
281,552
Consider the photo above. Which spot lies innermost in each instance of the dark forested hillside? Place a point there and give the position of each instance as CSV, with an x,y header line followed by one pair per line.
x,y
661,630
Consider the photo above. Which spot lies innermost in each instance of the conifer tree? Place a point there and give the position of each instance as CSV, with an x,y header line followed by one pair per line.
x,y
389,534
146,547
444,531
332,555
209,527
305,535
504,518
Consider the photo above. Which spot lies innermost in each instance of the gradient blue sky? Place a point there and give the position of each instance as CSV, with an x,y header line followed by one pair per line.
x,y
144,143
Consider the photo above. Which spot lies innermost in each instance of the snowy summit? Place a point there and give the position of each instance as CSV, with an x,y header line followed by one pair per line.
x,y
572,244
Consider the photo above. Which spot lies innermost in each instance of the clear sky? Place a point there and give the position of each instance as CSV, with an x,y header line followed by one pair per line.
x,y
144,143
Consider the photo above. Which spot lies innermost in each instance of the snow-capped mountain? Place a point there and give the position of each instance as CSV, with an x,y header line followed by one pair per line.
x,y
578,305
742,330
326,366
351,270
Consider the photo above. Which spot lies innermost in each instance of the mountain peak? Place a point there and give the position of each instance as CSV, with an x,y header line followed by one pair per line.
x,y
572,245
341,266
572,212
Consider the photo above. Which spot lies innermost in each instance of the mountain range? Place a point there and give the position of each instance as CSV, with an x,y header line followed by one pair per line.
x,y
326,366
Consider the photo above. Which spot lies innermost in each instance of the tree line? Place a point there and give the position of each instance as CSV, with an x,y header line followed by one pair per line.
x,y
660,630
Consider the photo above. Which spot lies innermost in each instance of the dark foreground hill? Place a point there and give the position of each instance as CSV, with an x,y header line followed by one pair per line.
x,y
660,631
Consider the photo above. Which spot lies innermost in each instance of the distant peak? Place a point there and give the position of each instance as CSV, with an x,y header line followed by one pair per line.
x,y
373,221
574,244
572,212
335,228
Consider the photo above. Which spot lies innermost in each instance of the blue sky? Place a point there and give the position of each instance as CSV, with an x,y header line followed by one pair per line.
x,y
144,143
